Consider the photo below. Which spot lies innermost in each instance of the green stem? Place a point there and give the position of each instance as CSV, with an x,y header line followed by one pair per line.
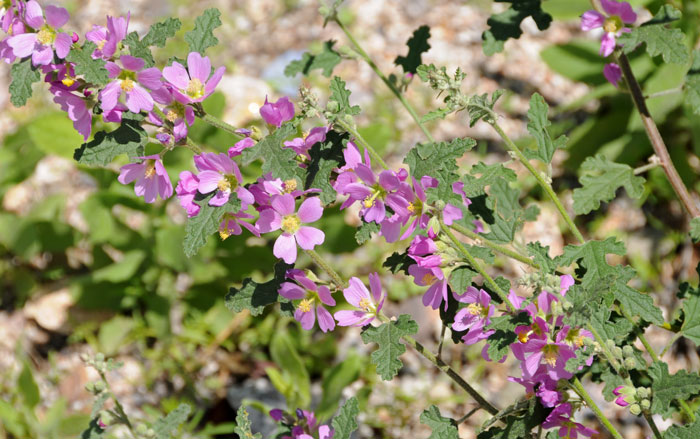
x,y
359,139
645,168
327,268
193,146
542,182
493,246
384,79
675,337
473,262
218,123
652,424
117,405
609,355
592,405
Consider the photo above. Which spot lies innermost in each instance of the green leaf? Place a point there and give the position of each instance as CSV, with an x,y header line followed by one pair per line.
x,y
122,270
442,428
286,357
688,431
243,427
159,33
398,262
27,386
345,423
113,333
691,316
365,231
481,107
23,76
666,388
255,296
93,70
518,421
325,157
660,39
417,45
540,254
461,278
635,302
130,138
335,380
508,215
615,328
325,61
139,49
53,133
695,229
507,24
93,431
600,181
482,175
207,222
281,162
612,380
440,113
341,95
692,91
164,427
592,256
202,36
504,335
387,337
538,129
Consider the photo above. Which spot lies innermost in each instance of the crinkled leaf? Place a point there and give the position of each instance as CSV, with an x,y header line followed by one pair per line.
x,y
688,431
345,422
129,138
159,33
389,348
481,107
666,388
365,231
540,254
695,229
255,296
692,94
23,76
537,114
325,61
482,175
325,157
243,427
442,428
164,427
206,223
461,278
518,420
341,96
440,113
281,162
660,39
93,70
508,215
398,262
139,49
504,335
635,302
610,327
600,181
612,380
592,256
202,36
506,24
417,45
691,314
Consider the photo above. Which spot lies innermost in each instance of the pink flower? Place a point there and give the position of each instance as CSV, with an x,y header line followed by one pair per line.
x,y
231,224
376,193
130,80
368,305
282,216
276,113
221,174
193,84
619,14
41,45
180,115
434,278
151,178
108,39
561,417
474,317
612,73
302,145
186,190
312,297
75,106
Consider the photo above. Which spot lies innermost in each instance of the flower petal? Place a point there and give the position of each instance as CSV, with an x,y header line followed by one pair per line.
x,y
56,16
310,210
309,237
176,75
285,248
199,66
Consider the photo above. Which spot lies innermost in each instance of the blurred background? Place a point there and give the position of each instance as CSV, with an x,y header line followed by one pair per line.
x,y
87,267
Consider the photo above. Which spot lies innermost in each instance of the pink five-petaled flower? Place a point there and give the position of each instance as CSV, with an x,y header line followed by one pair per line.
x,y
377,193
231,224
221,174
186,190
108,39
131,80
368,305
75,106
151,178
312,297
178,114
433,277
475,317
41,45
282,216
619,14
302,145
568,428
612,73
193,84
276,113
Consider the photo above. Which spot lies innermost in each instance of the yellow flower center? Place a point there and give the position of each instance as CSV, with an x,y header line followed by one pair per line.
x,y
474,309
429,278
365,304
151,169
127,85
171,115
523,337
411,208
290,186
551,352
195,88
46,35
68,81
227,183
291,223
101,44
305,305
612,24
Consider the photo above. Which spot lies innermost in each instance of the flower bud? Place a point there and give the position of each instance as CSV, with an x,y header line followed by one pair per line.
x,y
333,106
75,37
141,429
84,357
150,433
645,404
630,363
100,357
98,386
635,409
617,352
90,387
643,392
106,418
627,350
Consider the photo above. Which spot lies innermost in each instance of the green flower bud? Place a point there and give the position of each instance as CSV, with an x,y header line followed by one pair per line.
x,y
90,387
434,224
106,417
643,392
617,352
646,404
627,350
84,357
100,357
349,120
610,344
630,363
333,106
150,433
635,409
141,429
98,386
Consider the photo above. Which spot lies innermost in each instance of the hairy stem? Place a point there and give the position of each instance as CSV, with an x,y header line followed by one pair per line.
x,y
359,139
384,79
335,277
542,182
493,246
652,424
578,387
473,262
657,142
218,123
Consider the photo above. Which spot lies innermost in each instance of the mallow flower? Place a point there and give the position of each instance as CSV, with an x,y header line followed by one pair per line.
x,y
42,44
132,80
619,14
282,216
612,73
367,305
312,299
276,113
195,83
107,39
151,178
221,174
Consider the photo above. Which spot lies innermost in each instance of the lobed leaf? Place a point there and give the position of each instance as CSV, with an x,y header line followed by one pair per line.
x,y
23,76
659,38
325,61
389,348
139,49
592,256
666,388
345,422
129,138
417,45
504,335
442,428
93,70
280,162
537,126
365,231
325,158
159,33
202,36
255,296
164,427
601,180
506,24
206,223
688,431
341,96
243,427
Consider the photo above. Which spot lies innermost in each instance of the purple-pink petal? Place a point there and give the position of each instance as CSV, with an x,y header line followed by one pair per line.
x,y
309,237
56,16
176,75
283,204
150,78
292,291
591,20
325,319
310,210
62,44
139,99
199,66
33,14
132,63
285,248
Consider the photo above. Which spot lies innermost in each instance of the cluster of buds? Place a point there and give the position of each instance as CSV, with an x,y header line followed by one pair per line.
x,y
636,399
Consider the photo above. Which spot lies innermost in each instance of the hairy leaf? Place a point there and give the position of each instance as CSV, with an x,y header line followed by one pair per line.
x,y
206,223
688,431
635,302
442,428
666,388
341,96
480,107
691,315
365,231
93,70
600,181
202,36
417,45
507,24
325,61
389,348
461,278
255,296
159,33
398,262
504,335
345,423
325,157
139,49
660,39
592,256
130,138
280,162
538,129
23,76
695,229
540,255
243,427
164,427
